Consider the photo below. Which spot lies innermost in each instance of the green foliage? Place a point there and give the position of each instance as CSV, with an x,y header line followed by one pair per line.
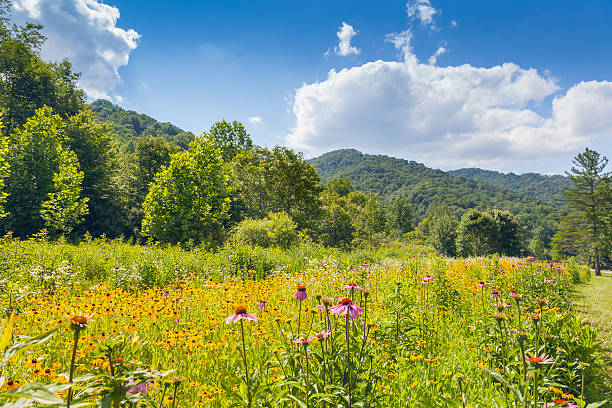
x,y
277,230
4,168
400,215
27,82
586,224
440,228
45,172
488,232
188,200
277,180
65,208
130,126
231,138
423,187
544,187
94,144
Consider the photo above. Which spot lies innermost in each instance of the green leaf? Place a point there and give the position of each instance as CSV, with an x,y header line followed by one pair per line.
x,y
37,392
29,341
504,381
8,331
597,404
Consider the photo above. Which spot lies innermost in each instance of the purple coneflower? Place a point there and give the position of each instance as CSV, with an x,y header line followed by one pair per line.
x,y
561,403
304,340
481,284
140,388
353,286
322,334
262,304
301,294
495,294
239,314
345,307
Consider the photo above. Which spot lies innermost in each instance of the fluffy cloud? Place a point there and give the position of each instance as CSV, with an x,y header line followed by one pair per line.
x,y
434,58
448,116
255,120
345,34
422,11
85,32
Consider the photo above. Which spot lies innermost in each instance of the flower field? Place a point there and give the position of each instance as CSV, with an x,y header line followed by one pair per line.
x,y
428,332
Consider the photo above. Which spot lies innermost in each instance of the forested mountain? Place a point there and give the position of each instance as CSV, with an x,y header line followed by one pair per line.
x,y
546,188
130,125
424,187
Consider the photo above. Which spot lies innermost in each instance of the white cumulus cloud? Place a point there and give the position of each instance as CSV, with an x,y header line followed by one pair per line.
x,y
421,10
345,35
85,32
448,116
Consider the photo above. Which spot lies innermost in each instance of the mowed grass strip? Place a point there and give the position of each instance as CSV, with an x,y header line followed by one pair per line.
x,y
594,303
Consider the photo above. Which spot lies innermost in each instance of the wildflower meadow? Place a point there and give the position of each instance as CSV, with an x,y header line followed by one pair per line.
x,y
421,331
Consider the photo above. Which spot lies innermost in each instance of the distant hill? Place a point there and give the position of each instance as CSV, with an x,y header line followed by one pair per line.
x,y
130,125
546,188
422,186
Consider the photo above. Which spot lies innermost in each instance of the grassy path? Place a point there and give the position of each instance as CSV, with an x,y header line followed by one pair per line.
x,y
594,303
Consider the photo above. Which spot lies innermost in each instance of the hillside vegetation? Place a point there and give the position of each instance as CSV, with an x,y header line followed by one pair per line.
x,y
424,187
129,126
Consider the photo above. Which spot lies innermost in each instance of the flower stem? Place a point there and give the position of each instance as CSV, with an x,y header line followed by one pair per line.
x,y
77,333
348,359
246,366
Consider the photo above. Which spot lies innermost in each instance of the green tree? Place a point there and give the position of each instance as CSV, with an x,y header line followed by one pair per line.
x,y
4,169
440,228
585,225
27,82
367,216
476,233
41,162
65,208
93,142
151,154
400,215
188,200
277,230
336,226
232,138
507,239
277,180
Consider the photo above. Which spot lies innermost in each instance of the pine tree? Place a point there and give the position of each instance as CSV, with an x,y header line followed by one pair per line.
x,y
585,224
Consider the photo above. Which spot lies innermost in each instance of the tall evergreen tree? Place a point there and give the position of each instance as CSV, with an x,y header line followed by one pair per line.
x,y
585,224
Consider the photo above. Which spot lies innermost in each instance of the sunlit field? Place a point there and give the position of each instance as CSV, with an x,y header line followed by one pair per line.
x,y
427,332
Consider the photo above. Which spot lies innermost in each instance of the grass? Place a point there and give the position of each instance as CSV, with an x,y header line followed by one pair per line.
x,y
594,303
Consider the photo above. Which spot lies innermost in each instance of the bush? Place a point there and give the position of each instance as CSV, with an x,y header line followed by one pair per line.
x,y
276,230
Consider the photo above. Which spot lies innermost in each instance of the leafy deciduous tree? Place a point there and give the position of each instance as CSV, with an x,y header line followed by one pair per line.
x,y
188,200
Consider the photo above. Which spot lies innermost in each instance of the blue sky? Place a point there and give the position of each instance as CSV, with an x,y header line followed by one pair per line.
x,y
267,64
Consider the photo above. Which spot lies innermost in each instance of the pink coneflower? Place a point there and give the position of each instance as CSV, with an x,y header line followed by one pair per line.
x,y
239,314
428,278
495,294
481,284
543,359
515,295
322,334
548,280
262,304
304,340
353,286
530,258
560,403
502,306
345,307
300,294
140,388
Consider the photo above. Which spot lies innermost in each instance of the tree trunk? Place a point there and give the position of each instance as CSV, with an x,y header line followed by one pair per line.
x,y
596,262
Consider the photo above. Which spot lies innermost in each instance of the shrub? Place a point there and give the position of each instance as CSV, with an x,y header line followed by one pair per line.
x,y
276,230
